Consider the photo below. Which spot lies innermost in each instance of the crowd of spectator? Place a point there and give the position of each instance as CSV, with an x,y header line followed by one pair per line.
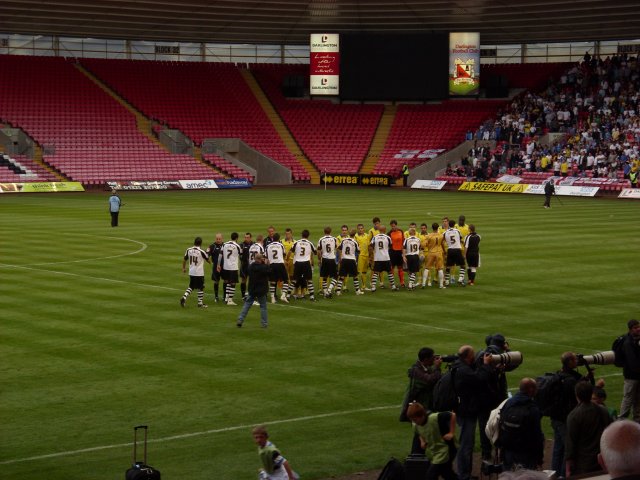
x,y
595,106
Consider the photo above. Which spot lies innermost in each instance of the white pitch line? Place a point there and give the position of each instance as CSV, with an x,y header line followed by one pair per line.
x,y
196,434
141,249
445,329
389,320
57,272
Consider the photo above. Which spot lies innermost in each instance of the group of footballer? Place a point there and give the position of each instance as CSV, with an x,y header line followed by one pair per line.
x,y
362,255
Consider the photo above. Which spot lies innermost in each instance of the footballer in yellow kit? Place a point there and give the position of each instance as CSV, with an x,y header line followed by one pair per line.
x,y
288,243
435,257
363,238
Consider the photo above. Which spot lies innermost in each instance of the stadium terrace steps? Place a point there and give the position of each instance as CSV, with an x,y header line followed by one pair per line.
x,y
379,139
143,123
281,128
53,173
335,137
203,100
199,156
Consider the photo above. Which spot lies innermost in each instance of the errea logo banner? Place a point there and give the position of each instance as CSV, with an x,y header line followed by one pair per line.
x,y
324,64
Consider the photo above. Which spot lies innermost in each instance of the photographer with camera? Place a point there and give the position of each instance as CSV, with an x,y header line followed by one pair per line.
x,y
497,388
565,404
471,385
628,357
423,375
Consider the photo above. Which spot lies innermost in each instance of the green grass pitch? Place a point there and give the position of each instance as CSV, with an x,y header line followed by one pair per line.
x,y
94,340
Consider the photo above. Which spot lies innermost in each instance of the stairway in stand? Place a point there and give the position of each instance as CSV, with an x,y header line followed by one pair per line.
x,y
379,139
280,126
37,158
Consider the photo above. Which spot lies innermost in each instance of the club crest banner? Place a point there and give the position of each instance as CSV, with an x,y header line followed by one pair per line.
x,y
464,63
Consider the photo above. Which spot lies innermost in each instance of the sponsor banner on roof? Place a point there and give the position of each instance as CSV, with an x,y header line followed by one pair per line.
x,y
324,64
630,193
198,184
429,184
46,187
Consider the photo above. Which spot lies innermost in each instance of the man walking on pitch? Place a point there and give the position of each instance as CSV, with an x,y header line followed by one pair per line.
x,y
258,287
196,258
549,189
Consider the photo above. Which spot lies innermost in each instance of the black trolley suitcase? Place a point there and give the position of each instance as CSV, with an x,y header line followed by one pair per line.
x,y
415,467
140,470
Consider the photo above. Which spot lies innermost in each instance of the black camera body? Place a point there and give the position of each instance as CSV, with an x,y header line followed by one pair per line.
x,y
487,468
448,358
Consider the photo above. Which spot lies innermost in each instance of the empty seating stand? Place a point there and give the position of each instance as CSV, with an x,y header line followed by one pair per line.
x,y
203,100
94,138
335,137
227,167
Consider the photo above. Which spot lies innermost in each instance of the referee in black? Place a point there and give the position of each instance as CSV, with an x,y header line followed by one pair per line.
x,y
472,253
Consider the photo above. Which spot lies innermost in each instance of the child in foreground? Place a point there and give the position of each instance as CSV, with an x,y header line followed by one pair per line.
x,y
437,437
274,465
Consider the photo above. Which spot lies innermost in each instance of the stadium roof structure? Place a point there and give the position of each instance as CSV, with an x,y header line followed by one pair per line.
x,y
290,22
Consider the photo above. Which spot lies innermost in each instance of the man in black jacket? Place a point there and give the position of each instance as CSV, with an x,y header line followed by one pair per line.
x,y
521,434
629,354
258,273
471,384
585,425
549,190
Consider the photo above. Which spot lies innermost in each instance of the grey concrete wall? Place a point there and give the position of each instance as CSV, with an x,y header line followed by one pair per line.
x,y
436,166
265,170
